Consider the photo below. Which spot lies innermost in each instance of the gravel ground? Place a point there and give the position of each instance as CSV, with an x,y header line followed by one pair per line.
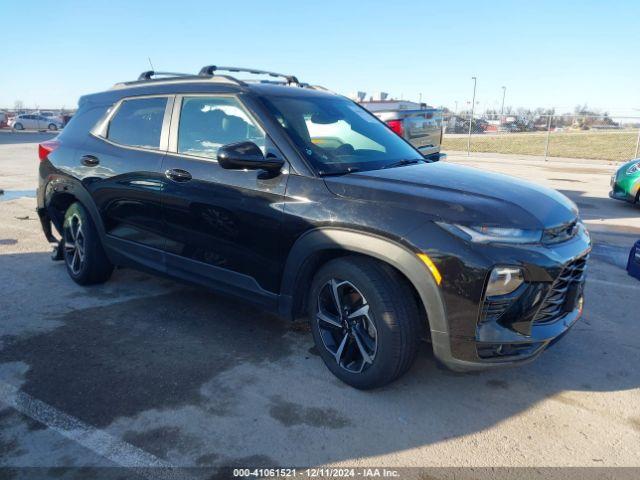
x,y
143,371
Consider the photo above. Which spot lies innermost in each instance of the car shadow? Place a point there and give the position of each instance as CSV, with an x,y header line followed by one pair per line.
x,y
601,207
200,379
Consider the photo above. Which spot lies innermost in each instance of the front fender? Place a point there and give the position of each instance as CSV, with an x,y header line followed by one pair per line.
x,y
392,252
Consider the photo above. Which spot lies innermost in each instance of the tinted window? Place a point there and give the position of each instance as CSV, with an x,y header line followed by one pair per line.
x,y
337,135
207,123
84,120
138,122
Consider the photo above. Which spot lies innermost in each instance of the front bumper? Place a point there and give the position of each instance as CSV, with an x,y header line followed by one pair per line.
x,y
621,195
472,343
519,353
623,188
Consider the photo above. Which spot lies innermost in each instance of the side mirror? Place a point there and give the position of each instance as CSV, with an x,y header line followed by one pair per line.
x,y
246,155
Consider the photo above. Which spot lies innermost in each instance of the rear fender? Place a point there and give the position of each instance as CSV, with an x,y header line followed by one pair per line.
x,y
59,185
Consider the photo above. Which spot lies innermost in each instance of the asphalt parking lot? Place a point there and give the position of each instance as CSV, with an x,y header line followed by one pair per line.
x,y
143,371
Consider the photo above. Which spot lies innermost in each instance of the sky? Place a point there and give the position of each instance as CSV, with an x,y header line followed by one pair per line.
x,y
550,54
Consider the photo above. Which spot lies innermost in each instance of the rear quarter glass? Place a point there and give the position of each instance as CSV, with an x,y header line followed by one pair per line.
x,y
83,121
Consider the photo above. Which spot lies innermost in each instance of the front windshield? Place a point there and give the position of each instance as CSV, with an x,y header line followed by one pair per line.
x,y
338,136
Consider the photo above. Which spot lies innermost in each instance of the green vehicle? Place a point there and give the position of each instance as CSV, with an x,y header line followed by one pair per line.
x,y
625,184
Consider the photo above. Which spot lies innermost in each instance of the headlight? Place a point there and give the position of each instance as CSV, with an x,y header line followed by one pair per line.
x,y
504,280
635,168
485,234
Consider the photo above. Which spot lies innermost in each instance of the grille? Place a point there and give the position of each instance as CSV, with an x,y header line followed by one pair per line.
x,y
553,305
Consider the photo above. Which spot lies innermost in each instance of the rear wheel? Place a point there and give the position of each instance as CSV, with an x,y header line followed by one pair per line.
x,y
53,127
84,256
364,321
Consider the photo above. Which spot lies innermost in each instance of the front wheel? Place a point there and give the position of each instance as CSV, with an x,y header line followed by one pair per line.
x,y
86,261
364,320
18,126
53,127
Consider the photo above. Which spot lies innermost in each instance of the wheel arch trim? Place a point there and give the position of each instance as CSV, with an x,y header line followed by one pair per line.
x,y
62,185
381,248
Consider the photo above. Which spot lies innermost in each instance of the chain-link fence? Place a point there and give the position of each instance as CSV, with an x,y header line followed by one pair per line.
x,y
597,137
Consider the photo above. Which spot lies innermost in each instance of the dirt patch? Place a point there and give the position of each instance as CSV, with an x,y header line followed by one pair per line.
x,y
125,358
207,459
498,384
159,441
290,414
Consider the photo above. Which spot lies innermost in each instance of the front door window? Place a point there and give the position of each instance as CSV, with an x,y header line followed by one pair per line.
x,y
207,123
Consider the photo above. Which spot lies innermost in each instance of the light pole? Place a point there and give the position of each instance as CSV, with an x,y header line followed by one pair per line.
x,y
638,139
504,91
473,104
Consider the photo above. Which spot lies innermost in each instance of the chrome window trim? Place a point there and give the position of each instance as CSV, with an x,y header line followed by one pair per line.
x,y
175,121
101,128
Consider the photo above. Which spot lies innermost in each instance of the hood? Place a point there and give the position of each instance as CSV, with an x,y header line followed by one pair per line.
x,y
459,194
625,166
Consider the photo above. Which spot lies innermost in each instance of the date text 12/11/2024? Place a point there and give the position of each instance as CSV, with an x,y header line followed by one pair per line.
x,y
320,472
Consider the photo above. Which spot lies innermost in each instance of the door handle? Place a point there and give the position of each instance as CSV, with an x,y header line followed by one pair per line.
x,y
90,160
178,175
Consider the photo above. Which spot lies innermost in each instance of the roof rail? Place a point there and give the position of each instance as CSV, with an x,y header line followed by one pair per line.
x,y
319,88
152,73
208,70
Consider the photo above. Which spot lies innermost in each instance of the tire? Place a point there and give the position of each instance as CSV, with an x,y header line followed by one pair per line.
x,y
18,126
53,127
391,345
84,257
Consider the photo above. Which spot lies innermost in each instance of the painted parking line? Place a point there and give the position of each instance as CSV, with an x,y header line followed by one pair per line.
x,y
98,441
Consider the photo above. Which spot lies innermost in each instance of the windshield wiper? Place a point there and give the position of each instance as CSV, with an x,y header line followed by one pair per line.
x,y
340,172
402,163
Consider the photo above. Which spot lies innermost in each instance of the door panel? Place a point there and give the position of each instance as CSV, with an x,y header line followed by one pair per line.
x,y
121,168
226,219
125,185
222,226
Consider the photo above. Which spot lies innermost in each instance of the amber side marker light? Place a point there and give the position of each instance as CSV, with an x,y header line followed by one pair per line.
x,y
431,266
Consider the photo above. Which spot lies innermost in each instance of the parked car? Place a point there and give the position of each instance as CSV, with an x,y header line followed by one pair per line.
x,y
35,121
53,116
625,183
508,128
304,203
416,123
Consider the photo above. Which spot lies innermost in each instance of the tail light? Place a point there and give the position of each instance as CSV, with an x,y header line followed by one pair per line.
x,y
441,134
45,148
396,126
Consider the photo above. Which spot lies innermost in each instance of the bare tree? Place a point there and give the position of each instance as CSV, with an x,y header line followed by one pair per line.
x,y
18,105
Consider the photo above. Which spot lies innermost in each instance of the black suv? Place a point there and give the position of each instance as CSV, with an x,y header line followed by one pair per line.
x,y
304,203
